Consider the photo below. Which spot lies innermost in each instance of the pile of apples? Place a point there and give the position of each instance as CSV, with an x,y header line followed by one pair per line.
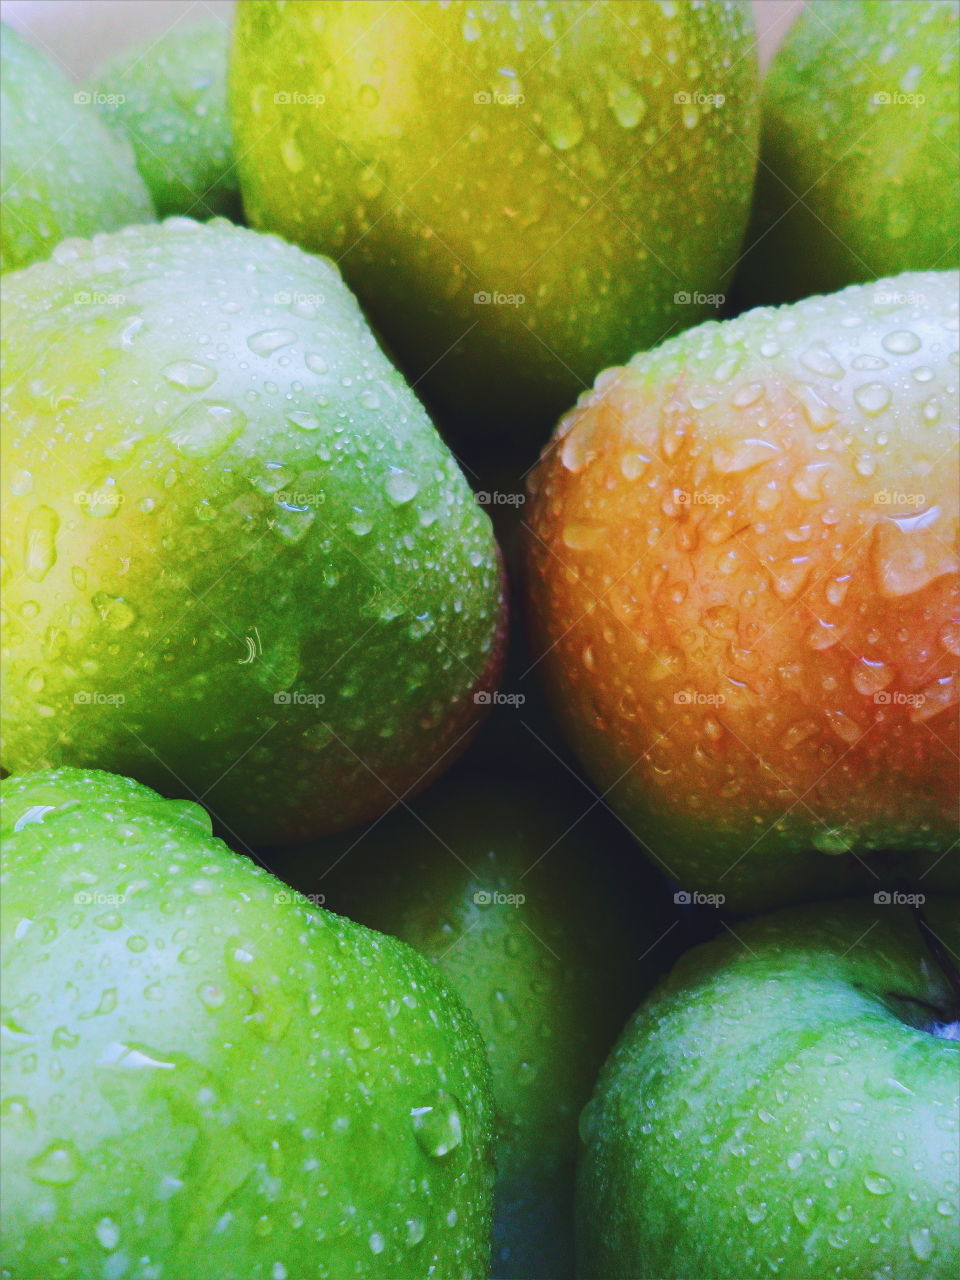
x,y
528,394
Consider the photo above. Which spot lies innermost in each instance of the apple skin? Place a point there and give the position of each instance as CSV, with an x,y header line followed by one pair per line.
x,y
169,98
242,563
550,981
212,1078
748,632
62,170
770,1111
597,199
850,188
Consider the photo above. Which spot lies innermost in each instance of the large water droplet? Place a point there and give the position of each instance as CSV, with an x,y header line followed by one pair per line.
x,y
58,1165
204,430
267,341
191,375
114,611
437,1124
401,486
40,542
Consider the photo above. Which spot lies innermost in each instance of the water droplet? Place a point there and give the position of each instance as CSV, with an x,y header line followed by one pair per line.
x,y
291,155
872,397
922,1243
114,611
831,841
315,362
57,1166
304,421
21,483
191,375
40,542
690,115
416,1230
901,341
437,1124
819,413
877,1184
267,341
836,1157
820,360
744,455
505,1017
625,101
870,677
583,537
401,486
561,122
204,430
107,1233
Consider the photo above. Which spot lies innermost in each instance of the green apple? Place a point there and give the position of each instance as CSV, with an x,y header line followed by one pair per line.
x,y
858,173
785,1105
241,562
208,1078
170,99
527,910
62,171
519,194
